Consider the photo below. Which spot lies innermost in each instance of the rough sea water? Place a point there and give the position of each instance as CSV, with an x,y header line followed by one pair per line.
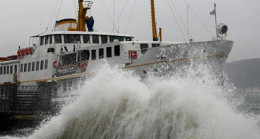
x,y
116,104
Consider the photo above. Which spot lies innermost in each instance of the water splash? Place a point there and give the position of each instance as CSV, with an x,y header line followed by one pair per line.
x,y
118,104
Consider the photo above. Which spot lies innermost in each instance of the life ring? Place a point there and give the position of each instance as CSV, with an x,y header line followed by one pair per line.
x,y
55,64
83,66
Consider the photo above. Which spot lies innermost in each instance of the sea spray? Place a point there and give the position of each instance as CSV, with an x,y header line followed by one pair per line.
x,y
118,104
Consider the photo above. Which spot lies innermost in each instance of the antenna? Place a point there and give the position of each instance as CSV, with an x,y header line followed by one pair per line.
x,y
214,12
216,22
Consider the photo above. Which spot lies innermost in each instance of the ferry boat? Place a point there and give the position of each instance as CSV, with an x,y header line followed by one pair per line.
x,y
34,81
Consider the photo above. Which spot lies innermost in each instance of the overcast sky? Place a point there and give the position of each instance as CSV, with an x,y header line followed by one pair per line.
x,y
22,19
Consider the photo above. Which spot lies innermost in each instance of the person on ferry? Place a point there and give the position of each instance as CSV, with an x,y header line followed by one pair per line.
x,y
90,23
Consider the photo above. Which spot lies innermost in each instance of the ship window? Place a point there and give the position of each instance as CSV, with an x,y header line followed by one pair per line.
x,y
7,69
104,39
84,55
21,68
50,39
71,38
95,39
46,64
29,67
50,50
109,51
11,69
33,65
128,39
41,66
4,70
25,67
116,39
117,50
155,45
69,59
15,68
46,39
1,70
144,48
77,38
93,55
41,40
101,53
37,65
58,39
86,39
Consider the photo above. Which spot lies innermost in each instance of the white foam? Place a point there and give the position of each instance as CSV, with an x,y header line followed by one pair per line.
x,y
117,104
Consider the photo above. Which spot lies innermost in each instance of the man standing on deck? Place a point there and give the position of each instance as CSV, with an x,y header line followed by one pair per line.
x,y
90,23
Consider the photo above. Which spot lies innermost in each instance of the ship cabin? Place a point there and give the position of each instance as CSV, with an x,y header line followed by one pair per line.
x,y
62,53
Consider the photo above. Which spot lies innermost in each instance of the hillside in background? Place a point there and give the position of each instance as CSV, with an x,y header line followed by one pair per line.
x,y
244,73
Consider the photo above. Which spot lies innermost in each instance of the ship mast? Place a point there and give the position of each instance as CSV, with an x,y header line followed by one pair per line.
x,y
84,6
155,36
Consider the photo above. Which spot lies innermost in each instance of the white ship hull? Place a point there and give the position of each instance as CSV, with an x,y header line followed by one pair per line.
x,y
176,57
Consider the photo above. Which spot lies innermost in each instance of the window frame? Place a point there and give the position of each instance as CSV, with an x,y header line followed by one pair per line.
x,y
109,52
71,38
29,67
33,66
11,69
50,38
86,38
104,37
21,67
4,70
154,45
118,38
93,54
94,39
128,39
144,50
46,40
37,65
25,67
42,40
15,69
46,64
101,53
58,40
117,50
7,70
42,65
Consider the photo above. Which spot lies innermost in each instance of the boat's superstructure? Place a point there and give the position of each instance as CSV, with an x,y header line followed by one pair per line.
x,y
30,81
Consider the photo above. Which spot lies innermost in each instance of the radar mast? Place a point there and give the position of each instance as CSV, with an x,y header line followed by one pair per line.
x,y
155,36
84,6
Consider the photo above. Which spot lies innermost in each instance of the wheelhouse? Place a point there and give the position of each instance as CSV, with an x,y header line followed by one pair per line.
x,y
88,38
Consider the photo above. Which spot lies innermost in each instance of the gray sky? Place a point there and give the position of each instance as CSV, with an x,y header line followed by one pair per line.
x,y
21,19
